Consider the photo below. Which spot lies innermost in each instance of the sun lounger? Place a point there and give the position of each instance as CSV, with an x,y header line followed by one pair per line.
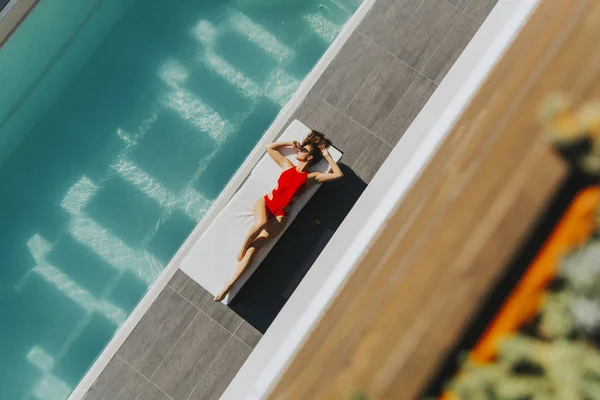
x,y
212,260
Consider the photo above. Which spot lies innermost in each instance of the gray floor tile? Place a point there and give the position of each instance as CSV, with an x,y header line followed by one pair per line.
x,y
188,288
191,357
480,9
157,332
316,113
460,4
372,158
424,32
222,314
407,110
118,381
381,92
151,392
347,72
386,20
248,334
451,48
350,138
222,372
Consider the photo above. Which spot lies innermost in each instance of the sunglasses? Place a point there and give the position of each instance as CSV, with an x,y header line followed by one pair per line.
x,y
305,150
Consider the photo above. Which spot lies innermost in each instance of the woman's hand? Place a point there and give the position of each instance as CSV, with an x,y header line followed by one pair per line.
x,y
324,151
296,145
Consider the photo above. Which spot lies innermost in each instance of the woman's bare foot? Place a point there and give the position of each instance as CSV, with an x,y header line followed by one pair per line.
x,y
223,293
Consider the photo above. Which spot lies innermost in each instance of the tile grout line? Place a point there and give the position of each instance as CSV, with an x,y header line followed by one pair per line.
x,y
240,340
130,366
207,299
419,73
468,4
464,12
327,102
318,97
204,312
209,367
162,391
238,328
174,344
399,34
362,85
435,84
245,344
152,383
342,113
395,107
378,63
143,376
443,39
358,123
473,18
189,301
389,52
363,152
430,80
407,22
455,6
385,142
217,322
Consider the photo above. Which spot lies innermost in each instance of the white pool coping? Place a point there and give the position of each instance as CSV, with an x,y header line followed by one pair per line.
x,y
385,192
236,181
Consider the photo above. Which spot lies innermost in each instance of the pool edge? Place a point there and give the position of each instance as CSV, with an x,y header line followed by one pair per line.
x,y
232,186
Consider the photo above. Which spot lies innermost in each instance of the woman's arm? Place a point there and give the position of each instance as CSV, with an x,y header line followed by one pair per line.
x,y
335,174
282,161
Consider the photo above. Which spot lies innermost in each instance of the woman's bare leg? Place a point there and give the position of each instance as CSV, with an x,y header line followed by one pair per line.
x,y
260,220
272,229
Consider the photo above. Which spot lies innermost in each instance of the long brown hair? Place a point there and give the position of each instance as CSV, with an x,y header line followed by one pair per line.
x,y
316,140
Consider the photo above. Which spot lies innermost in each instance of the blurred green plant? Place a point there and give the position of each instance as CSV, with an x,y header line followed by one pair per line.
x,y
358,394
574,132
531,368
558,359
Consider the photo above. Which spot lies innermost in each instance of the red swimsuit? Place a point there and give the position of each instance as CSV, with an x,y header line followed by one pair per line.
x,y
290,184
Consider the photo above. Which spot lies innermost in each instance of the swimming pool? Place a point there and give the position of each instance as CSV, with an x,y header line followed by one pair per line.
x,y
119,126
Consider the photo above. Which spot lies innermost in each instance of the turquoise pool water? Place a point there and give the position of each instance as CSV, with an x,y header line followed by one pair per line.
x,y
120,123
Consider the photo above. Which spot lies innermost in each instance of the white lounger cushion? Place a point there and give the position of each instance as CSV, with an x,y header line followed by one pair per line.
x,y
212,260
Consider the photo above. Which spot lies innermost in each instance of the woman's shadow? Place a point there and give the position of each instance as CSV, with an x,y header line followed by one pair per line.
x,y
268,289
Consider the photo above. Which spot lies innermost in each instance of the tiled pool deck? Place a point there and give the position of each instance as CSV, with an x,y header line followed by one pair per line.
x,y
187,346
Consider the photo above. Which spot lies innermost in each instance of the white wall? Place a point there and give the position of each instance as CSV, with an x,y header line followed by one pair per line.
x,y
402,166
